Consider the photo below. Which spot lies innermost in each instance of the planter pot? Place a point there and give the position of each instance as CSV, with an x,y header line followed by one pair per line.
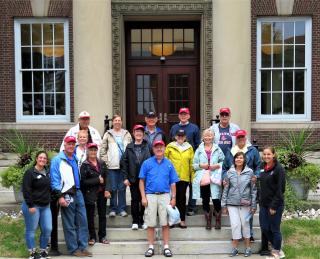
x,y
299,188
18,194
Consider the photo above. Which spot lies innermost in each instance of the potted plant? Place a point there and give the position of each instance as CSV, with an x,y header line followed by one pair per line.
x,y
302,176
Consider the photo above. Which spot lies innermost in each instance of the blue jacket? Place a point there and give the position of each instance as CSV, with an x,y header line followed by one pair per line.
x,y
61,174
192,131
252,157
158,135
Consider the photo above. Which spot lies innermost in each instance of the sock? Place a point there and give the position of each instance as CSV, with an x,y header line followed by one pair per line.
x,y
151,246
166,246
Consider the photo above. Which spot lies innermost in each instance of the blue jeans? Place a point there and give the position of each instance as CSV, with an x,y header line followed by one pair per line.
x,y
118,196
270,226
41,217
74,222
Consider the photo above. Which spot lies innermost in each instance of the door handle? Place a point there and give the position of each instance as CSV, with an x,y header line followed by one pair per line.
x,y
165,118
160,117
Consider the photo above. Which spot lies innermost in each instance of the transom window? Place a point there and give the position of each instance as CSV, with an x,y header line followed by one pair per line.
x,y
283,68
42,73
148,42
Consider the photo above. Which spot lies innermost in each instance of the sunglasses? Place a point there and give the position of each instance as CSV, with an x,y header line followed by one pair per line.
x,y
224,114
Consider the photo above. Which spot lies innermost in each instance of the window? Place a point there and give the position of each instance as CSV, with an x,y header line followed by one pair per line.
x,y
42,70
284,69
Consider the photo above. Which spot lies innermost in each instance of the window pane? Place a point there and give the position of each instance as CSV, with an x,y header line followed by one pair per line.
x,y
172,93
178,49
146,35
37,81
156,35
146,49
135,35
287,80
276,103
277,55
135,49
300,56
146,81
277,33
189,48
25,34
47,34
288,103
167,35
27,104
27,81
140,95
48,81
58,34
299,80
288,36
168,49
288,56
266,56
265,103
188,35
37,57
47,57
38,104
300,32
25,57
265,80
139,81
49,109
140,108
299,103
266,33
36,34
60,81
178,35
277,81
59,57
60,104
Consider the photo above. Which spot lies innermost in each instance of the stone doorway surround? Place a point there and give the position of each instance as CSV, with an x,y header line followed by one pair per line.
x,y
162,10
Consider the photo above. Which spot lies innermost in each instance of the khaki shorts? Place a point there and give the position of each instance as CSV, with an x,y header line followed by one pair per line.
x,y
157,204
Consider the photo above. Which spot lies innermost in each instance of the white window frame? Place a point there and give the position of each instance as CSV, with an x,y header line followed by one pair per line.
x,y
308,66
20,117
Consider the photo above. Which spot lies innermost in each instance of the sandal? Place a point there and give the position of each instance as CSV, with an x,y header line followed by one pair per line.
x,y
182,226
91,242
149,252
167,252
104,241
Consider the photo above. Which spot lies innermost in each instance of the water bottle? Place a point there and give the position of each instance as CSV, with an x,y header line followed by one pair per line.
x,y
248,216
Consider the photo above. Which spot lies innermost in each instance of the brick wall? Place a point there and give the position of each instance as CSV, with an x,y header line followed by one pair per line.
x,y
301,8
8,12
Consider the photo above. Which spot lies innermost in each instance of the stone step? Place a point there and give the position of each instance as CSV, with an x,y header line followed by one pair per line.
x,y
192,221
177,247
177,234
2,168
7,162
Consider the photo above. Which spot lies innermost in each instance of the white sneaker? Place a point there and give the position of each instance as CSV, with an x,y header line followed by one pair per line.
x,y
144,226
281,254
112,214
135,227
123,214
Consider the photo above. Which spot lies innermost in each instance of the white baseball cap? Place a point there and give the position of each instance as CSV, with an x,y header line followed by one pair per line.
x,y
84,114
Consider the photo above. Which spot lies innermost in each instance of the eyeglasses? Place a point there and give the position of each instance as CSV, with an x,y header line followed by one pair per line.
x,y
224,114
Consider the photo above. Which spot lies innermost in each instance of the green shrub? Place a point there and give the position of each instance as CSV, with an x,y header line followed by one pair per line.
x,y
308,173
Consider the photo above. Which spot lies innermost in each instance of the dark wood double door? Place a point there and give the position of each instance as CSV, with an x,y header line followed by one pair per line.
x,y
159,82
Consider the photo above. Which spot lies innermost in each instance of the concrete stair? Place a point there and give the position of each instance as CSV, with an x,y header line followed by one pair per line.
x,y
194,240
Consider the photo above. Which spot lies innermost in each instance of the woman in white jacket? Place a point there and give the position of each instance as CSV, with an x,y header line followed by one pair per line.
x,y
114,143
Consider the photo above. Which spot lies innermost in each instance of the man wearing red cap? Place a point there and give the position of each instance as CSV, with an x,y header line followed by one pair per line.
x,y
224,132
157,178
193,138
84,124
65,185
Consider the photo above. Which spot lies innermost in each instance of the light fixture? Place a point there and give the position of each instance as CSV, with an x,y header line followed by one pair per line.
x,y
163,49
48,52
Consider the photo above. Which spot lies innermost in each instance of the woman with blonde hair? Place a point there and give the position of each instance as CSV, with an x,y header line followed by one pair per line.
x,y
207,163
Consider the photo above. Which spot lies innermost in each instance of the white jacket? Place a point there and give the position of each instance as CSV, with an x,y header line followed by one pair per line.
x,y
109,152
96,137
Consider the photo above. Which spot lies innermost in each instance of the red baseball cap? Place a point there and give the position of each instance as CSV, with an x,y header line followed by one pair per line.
x,y
184,110
158,142
68,139
225,110
241,133
92,145
138,127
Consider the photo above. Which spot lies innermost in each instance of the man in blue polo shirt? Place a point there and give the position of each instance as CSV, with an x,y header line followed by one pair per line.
x,y
157,178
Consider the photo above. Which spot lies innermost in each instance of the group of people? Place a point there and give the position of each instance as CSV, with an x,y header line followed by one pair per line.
x,y
220,165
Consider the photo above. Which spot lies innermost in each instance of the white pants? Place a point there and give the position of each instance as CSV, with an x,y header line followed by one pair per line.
x,y
239,226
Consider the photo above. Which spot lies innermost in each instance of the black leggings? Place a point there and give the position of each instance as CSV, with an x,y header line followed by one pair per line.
x,y
205,195
181,198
